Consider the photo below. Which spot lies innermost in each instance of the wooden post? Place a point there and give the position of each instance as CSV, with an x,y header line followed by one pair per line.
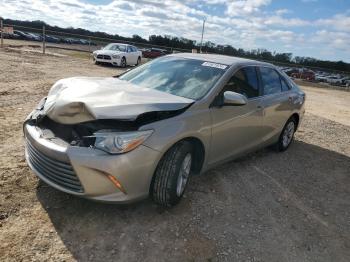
x,y
2,35
89,45
44,46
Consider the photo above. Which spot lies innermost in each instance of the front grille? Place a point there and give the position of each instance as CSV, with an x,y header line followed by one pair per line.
x,y
55,171
106,57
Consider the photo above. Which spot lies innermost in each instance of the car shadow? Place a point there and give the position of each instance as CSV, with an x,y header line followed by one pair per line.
x,y
310,180
109,65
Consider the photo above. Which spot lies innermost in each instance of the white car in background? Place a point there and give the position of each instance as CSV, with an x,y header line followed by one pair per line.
x,y
321,78
118,55
334,80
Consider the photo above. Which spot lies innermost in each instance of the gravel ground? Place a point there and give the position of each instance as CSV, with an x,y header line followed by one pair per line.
x,y
267,206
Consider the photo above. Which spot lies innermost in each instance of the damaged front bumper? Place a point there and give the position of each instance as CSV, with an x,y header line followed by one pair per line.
x,y
89,172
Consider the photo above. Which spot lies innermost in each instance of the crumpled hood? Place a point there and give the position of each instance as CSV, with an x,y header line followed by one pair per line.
x,y
81,99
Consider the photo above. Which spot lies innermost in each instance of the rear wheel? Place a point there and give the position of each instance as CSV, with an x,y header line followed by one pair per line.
x,y
172,175
287,135
138,61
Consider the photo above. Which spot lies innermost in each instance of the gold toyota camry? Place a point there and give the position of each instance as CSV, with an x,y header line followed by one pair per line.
x,y
146,132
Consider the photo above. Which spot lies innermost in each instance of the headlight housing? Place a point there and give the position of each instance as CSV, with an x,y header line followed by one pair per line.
x,y
116,56
119,142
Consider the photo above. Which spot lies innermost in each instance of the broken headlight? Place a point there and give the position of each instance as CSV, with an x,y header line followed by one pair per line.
x,y
120,142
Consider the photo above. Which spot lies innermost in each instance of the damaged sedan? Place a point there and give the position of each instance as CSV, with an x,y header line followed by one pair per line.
x,y
147,131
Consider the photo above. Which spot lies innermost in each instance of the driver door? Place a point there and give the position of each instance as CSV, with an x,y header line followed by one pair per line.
x,y
132,56
237,129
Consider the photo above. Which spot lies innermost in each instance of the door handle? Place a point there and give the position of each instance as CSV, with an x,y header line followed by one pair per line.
x,y
290,99
259,107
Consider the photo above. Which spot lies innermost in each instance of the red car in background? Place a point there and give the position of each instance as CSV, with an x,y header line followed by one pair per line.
x,y
305,74
153,52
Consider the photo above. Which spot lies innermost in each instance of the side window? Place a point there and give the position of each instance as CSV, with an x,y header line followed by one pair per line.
x,y
270,80
129,49
245,82
289,81
134,49
285,86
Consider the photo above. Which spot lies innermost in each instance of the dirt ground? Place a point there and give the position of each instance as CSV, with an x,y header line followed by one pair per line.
x,y
267,206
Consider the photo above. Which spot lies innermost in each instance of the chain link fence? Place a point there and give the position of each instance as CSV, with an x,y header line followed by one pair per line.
x,y
44,38
55,39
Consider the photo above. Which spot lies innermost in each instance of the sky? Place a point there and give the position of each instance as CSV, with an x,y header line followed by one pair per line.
x,y
315,28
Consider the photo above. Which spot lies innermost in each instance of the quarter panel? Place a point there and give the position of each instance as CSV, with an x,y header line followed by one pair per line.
x,y
277,110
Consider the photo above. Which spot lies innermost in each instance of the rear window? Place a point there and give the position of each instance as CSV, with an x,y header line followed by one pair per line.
x,y
289,81
285,86
270,80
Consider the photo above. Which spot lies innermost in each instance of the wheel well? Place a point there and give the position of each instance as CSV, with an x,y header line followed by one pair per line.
x,y
296,118
199,153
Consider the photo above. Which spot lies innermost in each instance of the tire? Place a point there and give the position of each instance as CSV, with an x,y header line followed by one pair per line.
x,y
169,183
287,135
138,61
96,62
123,62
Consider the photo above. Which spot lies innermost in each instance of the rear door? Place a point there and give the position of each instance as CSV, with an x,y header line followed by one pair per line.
x,y
237,129
277,102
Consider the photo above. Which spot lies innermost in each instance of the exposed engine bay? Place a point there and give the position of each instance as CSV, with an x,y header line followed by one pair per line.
x,y
81,134
76,108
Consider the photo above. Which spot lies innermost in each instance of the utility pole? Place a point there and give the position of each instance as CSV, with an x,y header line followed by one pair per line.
x,y
200,48
2,34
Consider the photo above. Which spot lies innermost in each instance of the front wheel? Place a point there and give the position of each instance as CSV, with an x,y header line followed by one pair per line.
x,y
123,62
172,175
287,135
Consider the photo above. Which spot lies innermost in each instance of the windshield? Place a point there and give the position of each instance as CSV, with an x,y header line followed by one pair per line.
x,y
188,78
115,47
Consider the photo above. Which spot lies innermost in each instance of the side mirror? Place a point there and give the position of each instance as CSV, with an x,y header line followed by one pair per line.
x,y
234,99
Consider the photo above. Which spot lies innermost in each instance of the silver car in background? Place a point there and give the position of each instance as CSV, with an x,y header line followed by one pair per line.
x,y
145,132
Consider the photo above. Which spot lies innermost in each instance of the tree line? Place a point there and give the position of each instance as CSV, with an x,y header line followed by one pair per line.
x,y
173,43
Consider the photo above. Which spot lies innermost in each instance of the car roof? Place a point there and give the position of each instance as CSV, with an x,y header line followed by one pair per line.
x,y
221,59
118,44
124,44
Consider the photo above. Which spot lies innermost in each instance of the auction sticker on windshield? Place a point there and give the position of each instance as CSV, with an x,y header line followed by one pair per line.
x,y
220,66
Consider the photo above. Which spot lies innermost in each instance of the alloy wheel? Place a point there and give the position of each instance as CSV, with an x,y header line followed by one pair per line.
x,y
288,134
184,173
